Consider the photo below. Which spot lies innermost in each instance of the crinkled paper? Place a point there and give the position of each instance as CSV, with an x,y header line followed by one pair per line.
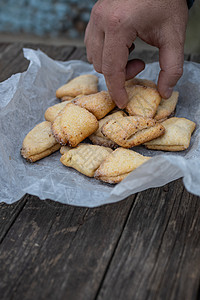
x,y
24,97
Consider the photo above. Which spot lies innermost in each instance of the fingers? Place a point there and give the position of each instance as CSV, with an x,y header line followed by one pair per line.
x,y
94,42
171,63
134,67
114,60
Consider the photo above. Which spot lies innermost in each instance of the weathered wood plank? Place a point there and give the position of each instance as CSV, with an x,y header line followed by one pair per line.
x,y
12,59
8,214
79,53
59,252
158,256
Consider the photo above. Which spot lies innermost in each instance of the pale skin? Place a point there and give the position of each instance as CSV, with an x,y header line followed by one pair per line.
x,y
114,26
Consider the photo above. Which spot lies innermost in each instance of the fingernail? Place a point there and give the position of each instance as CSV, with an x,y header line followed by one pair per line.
x,y
168,92
122,105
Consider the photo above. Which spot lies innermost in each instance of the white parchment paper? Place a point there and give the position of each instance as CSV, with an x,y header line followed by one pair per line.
x,y
23,100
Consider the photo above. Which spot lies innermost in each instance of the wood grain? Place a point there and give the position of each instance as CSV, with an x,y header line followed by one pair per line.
x,y
59,251
158,256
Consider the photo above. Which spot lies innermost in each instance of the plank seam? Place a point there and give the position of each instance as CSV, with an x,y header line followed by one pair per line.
x,y
160,245
24,198
115,248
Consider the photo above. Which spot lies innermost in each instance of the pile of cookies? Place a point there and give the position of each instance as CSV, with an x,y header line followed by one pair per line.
x,y
86,113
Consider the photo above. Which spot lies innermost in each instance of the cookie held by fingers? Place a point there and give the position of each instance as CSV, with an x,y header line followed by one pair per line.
x,y
166,107
85,158
39,142
143,101
119,164
177,135
132,131
98,138
73,124
138,81
84,84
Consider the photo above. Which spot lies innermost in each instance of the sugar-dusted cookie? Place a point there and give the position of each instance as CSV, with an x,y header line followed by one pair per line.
x,y
138,81
166,107
57,130
66,98
52,111
143,101
84,84
98,138
65,149
39,142
73,124
100,104
119,164
85,158
132,131
177,135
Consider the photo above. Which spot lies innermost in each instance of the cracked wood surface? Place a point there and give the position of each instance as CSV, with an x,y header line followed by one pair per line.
x,y
144,247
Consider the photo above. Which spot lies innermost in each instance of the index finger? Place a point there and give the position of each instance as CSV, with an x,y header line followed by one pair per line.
x,y
114,60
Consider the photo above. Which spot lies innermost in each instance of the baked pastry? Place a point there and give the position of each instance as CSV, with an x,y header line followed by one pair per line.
x,y
132,131
138,81
85,158
98,138
52,111
119,164
166,107
177,135
39,142
84,84
65,149
143,101
66,98
100,104
73,124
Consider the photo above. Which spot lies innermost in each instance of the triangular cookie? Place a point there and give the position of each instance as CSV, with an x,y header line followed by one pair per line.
x,y
132,131
73,124
85,158
166,107
143,101
119,164
100,104
39,142
83,84
98,138
177,135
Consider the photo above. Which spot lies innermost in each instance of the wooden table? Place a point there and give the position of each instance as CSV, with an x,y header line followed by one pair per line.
x,y
144,247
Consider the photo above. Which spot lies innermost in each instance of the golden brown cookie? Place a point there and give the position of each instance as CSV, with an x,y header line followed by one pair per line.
x,y
177,135
73,124
66,98
100,104
132,131
39,142
138,81
52,111
65,149
119,164
83,84
166,107
143,101
85,158
98,138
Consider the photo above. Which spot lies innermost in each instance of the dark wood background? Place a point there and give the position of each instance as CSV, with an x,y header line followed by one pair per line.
x,y
144,247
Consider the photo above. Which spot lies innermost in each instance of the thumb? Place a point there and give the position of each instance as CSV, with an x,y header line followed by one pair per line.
x,y
171,58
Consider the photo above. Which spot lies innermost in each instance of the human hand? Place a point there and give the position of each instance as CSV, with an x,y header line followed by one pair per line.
x,y
113,27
